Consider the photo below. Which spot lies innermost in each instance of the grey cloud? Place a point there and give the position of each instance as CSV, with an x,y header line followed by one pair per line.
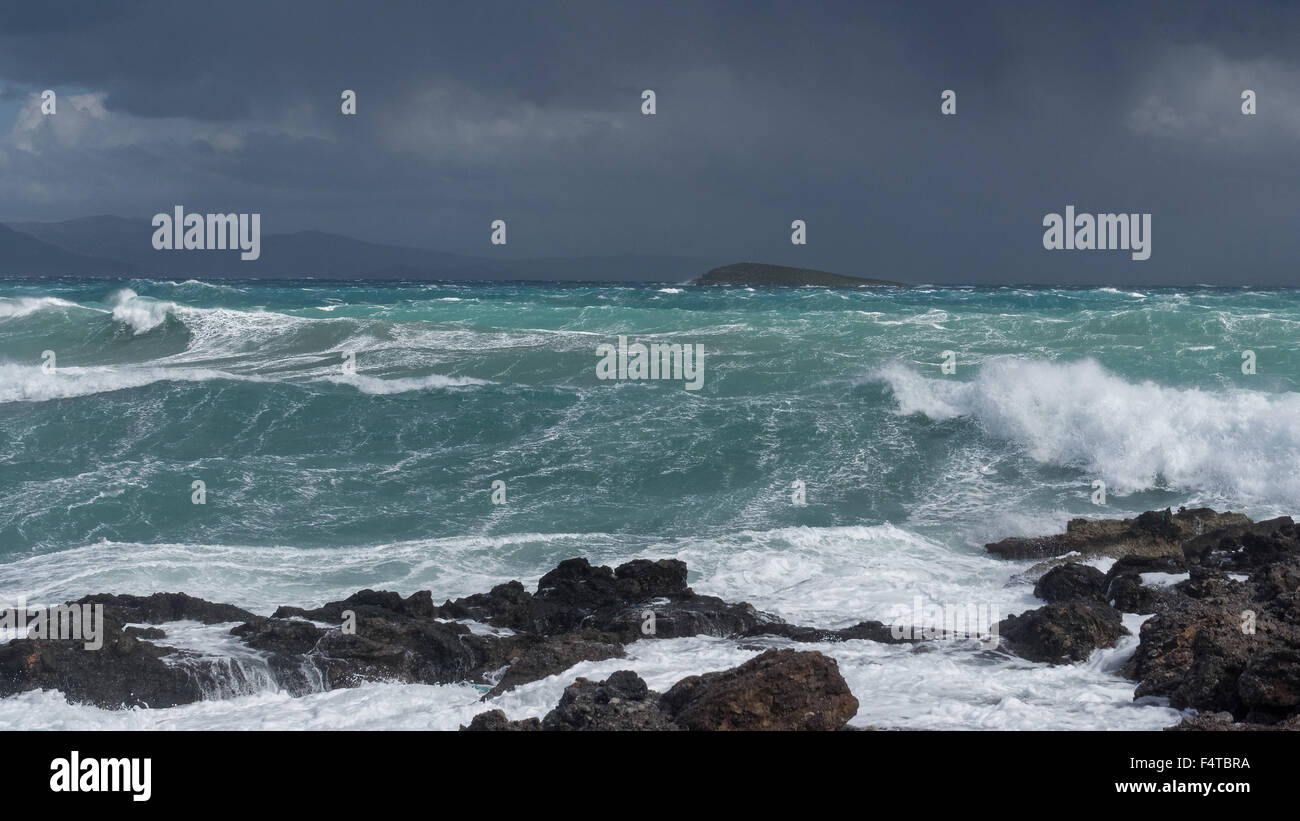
x,y
768,111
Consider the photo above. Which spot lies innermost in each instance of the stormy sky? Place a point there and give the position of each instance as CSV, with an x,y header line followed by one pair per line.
x,y
767,112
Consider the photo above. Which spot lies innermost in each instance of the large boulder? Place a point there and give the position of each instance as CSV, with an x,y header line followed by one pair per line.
x,y
778,690
620,702
125,672
1072,581
1062,633
495,721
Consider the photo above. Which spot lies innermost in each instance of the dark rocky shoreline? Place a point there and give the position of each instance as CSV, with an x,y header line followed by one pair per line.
x,y
1224,641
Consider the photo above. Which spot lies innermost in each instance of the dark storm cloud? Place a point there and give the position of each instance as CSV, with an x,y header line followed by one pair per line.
x,y
767,112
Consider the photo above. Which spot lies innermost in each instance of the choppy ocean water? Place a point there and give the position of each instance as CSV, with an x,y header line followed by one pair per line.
x,y
319,482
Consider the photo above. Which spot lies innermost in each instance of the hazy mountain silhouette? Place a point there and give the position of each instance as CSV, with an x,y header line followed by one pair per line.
x,y
109,245
22,253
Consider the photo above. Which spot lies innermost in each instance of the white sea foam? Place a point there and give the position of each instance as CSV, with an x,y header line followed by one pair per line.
x,y
28,383
825,577
27,305
895,686
141,313
1234,444
820,576
262,578
1163,579
837,576
383,387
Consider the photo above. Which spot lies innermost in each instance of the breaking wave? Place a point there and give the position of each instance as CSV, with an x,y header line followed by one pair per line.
x,y
1133,435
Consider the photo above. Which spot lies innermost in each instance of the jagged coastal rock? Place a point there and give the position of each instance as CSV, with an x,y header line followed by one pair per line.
x,y
579,612
1151,534
757,274
1223,596
777,690
1222,636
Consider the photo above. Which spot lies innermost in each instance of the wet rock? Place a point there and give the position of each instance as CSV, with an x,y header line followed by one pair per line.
x,y
778,690
283,636
1061,633
538,657
1072,581
507,605
686,616
164,607
380,603
572,593
1195,653
414,651
1222,645
1154,533
1036,547
1157,524
496,721
1209,583
1136,565
1270,684
124,672
1280,579
394,639
638,599
1129,593
1223,722
643,579
620,702
580,612
1243,546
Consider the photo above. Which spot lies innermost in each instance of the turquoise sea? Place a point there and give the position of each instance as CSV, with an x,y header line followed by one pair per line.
x,y
318,481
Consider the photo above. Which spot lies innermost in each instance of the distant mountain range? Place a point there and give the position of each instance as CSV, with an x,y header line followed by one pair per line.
x,y
119,246
22,253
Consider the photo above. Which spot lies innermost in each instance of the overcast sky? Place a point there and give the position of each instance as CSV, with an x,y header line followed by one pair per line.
x,y
767,112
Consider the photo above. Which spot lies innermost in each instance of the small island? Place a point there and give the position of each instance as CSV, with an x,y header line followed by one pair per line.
x,y
759,274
